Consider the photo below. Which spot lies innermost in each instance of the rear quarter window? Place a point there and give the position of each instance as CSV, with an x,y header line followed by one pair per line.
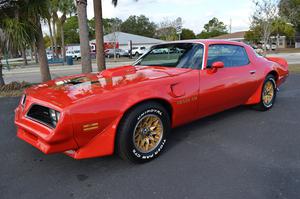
x,y
230,55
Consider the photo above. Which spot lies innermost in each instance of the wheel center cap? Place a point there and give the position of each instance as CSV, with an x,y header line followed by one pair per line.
x,y
145,131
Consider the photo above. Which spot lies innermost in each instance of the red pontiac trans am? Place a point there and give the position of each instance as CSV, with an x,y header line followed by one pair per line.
x,y
130,110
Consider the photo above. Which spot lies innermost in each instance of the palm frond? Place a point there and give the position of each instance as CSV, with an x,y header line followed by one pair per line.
x,y
16,32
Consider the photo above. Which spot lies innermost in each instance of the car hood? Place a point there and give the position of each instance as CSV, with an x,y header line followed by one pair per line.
x,y
64,91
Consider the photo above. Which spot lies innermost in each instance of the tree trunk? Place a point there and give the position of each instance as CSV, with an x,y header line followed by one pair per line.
x,y
35,53
84,36
62,35
1,74
63,48
54,37
40,46
99,35
51,37
36,56
31,53
24,57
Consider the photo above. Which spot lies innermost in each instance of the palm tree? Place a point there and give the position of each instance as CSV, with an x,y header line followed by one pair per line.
x,y
36,11
14,32
49,17
99,33
53,9
65,7
84,36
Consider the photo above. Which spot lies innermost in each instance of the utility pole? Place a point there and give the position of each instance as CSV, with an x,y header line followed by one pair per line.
x,y
230,26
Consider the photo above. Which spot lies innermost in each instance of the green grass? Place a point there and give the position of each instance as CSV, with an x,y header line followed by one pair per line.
x,y
286,50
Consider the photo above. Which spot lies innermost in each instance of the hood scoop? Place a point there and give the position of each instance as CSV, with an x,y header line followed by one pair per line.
x,y
122,71
74,81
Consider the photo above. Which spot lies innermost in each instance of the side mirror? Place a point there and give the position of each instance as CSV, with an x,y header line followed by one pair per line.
x,y
217,65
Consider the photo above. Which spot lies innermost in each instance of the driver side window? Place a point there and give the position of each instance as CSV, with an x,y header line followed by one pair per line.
x,y
230,55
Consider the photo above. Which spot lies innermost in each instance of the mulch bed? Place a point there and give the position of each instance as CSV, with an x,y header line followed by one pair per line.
x,y
13,89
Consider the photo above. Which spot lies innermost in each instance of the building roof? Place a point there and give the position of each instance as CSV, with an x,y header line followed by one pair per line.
x,y
123,39
232,36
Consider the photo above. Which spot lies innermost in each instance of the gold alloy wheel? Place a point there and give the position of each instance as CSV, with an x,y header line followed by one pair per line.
x,y
268,93
148,133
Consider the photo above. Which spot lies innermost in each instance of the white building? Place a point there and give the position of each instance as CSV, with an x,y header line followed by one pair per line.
x,y
240,36
123,39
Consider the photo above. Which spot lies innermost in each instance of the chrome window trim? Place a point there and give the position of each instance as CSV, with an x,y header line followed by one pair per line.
x,y
190,42
245,50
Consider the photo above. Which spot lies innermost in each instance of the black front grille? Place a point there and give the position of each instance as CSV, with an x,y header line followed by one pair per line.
x,y
40,114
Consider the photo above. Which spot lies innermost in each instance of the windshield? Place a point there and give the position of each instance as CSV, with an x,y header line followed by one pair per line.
x,y
179,55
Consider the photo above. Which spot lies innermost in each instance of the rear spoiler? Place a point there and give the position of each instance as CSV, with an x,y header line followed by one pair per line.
x,y
278,60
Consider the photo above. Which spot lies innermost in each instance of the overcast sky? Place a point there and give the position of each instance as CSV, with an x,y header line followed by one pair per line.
x,y
195,13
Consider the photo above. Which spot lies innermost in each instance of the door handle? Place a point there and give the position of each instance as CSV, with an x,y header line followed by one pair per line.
x,y
252,72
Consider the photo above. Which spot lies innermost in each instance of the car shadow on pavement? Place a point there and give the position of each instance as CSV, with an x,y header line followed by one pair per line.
x,y
202,127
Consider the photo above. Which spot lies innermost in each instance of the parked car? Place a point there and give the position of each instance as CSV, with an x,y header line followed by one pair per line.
x,y
258,49
49,55
119,53
272,46
138,51
131,110
75,54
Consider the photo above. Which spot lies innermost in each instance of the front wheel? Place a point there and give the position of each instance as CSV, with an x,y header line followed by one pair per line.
x,y
268,94
142,133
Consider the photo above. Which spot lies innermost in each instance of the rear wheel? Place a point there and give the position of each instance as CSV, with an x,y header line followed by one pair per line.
x,y
142,133
268,94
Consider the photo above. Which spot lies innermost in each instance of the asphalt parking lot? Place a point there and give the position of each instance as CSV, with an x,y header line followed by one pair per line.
x,y
240,153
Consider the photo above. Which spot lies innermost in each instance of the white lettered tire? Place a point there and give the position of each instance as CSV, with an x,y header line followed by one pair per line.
x,y
142,133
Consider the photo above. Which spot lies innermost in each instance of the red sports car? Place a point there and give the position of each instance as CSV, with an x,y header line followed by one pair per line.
x,y
130,110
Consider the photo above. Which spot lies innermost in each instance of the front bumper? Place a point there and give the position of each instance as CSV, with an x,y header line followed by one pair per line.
x,y
42,137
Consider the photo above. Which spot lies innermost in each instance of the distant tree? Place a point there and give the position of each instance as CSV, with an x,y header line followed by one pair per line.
x,y
139,25
99,33
253,36
281,27
213,28
64,7
111,25
167,30
187,34
290,9
108,25
47,41
20,22
264,16
71,30
52,16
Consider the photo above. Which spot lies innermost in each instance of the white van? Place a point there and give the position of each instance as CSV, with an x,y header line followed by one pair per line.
x,y
75,54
